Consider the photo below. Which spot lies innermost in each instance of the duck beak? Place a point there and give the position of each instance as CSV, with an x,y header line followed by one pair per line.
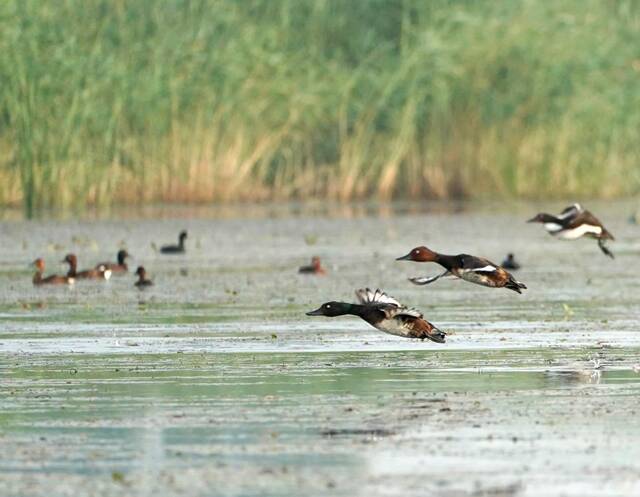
x,y
317,312
405,257
532,220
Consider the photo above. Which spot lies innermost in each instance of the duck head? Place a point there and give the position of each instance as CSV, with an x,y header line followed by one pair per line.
x,y
122,255
141,272
183,236
419,254
39,264
331,309
71,259
542,218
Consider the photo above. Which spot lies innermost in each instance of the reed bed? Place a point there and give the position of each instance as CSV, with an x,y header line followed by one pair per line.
x,y
133,101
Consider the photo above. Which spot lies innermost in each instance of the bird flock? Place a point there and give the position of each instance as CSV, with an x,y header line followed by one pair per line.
x,y
390,316
374,306
103,270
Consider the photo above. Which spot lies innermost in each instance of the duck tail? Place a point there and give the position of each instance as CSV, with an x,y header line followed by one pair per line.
x,y
422,329
515,285
604,248
606,235
435,335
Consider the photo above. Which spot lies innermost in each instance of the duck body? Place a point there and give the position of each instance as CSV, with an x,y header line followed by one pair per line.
x,y
175,249
467,267
116,267
575,222
39,279
314,268
385,314
101,273
510,263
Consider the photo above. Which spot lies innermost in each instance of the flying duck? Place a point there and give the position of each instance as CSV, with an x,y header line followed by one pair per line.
x,y
467,267
314,268
117,267
385,314
574,222
175,249
101,273
54,279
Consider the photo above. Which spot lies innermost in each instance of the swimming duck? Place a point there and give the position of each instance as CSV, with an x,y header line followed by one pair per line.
x,y
142,278
314,268
101,273
54,279
175,249
467,267
510,262
118,267
385,314
574,222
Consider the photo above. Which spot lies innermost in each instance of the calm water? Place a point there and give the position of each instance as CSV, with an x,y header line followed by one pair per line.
x,y
213,382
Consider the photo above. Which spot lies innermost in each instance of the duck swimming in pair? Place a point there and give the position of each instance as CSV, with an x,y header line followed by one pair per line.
x,y
467,267
175,249
385,314
117,267
575,222
142,282
100,273
54,279
314,268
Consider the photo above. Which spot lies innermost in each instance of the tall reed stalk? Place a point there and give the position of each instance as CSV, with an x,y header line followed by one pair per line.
x,y
199,101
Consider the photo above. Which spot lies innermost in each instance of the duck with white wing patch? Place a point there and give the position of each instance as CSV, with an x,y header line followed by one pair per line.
x,y
385,314
470,268
575,222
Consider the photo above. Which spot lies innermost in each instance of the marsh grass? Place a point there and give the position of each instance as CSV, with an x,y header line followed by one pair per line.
x,y
200,101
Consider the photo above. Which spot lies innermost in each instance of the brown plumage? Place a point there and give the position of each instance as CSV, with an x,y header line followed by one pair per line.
x,y
54,279
575,222
116,267
314,268
384,313
94,274
470,268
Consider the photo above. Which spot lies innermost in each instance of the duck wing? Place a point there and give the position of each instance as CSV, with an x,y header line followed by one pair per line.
x,y
571,211
475,264
367,296
584,217
380,301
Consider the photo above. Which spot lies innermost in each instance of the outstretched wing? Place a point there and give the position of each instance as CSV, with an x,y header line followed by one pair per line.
x,y
405,311
384,303
368,296
425,280
572,210
584,217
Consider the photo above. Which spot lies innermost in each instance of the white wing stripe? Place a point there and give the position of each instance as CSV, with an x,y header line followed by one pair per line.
x,y
485,269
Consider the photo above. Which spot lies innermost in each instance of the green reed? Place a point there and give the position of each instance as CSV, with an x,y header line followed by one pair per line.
x,y
107,101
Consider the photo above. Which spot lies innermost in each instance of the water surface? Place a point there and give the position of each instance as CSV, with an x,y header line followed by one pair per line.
x,y
213,382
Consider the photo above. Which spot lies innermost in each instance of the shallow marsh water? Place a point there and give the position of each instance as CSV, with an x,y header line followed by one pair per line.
x,y
213,382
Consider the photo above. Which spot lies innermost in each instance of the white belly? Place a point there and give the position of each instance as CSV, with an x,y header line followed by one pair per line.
x,y
578,232
393,328
552,227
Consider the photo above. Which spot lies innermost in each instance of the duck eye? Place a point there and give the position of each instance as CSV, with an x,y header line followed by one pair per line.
x,y
328,306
